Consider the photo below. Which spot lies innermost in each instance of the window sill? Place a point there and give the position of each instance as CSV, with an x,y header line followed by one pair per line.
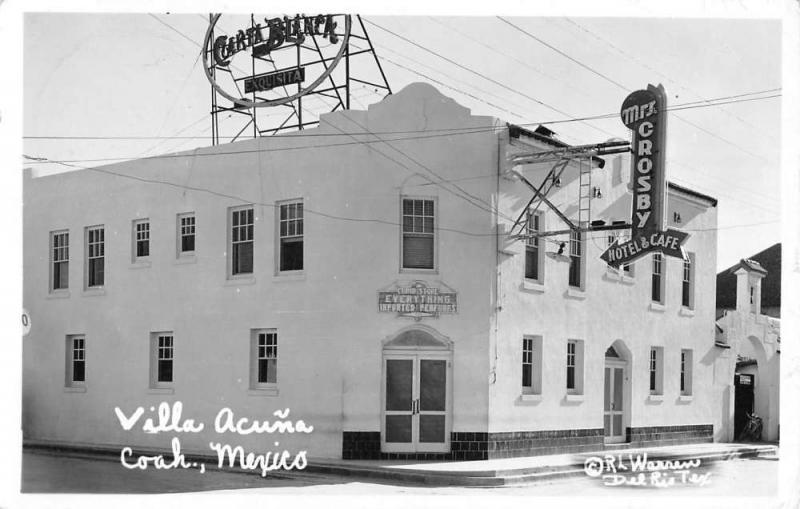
x,y
58,294
418,271
77,388
576,293
576,398
94,292
684,398
532,286
655,397
184,259
161,390
141,264
684,311
240,280
627,280
657,306
531,397
263,392
297,275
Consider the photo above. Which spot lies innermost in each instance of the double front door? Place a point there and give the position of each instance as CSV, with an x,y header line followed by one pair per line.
x,y
415,403
613,405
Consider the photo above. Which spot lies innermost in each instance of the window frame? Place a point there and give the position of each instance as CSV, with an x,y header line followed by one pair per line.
x,y
658,270
686,372
279,242
656,371
156,350
53,261
577,245
138,236
231,243
532,360
687,286
577,365
70,360
179,234
87,280
534,245
256,357
434,234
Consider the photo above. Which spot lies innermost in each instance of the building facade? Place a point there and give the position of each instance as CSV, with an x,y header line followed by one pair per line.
x,y
367,283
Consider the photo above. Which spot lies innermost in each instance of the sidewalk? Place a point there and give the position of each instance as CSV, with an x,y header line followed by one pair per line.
x,y
499,472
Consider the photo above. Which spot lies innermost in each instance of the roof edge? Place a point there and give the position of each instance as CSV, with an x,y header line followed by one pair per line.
x,y
693,193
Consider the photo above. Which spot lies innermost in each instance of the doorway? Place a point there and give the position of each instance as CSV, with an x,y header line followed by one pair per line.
x,y
614,405
743,402
416,390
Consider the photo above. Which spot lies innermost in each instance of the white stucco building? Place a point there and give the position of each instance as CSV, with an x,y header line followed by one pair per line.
x,y
370,287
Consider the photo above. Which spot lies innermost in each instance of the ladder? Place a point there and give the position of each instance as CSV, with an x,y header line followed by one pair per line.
x,y
584,193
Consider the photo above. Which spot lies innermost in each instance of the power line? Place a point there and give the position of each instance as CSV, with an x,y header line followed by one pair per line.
x,y
335,216
454,130
623,87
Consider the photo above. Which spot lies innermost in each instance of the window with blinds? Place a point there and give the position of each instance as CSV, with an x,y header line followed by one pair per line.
x,y
419,237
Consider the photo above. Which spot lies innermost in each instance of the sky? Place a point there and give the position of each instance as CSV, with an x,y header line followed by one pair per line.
x,y
132,75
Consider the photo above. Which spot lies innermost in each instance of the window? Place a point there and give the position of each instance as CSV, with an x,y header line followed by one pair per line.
x,y
534,256
76,361
575,259
656,370
532,365
686,372
162,357
621,237
95,256
687,288
186,233
59,260
141,239
418,234
242,240
657,293
264,355
291,236
574,366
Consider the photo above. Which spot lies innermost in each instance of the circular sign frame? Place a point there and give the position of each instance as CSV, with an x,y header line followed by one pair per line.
x,y
270,102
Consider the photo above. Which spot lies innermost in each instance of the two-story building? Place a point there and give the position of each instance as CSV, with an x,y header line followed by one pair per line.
x,y
361,274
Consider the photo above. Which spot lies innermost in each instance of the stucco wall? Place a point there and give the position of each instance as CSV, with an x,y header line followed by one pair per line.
x,y
609,310
329,329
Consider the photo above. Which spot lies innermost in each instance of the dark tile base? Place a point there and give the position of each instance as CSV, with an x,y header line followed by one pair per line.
x,y
481,445
537,443
653,436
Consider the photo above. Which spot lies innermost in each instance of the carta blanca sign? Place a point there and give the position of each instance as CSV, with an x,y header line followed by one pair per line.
x,y
668,242
418,300
644,113
274,79
275,33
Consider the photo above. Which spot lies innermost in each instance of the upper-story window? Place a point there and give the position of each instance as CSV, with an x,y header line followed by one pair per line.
x,y
576,259
534,255
141,239
687,288
242,240
186,233
419,236
290,243
657,289
95,256
59,260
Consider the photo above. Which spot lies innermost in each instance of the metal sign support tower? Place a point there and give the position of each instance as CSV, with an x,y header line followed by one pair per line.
x,y
338,88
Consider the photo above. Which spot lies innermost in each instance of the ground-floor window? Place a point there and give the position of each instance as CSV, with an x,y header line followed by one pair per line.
x,y
264,358
575,366
686,372
76,360
532,365
162,355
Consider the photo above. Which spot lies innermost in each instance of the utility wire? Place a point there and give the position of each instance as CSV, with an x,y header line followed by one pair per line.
x,y
623,87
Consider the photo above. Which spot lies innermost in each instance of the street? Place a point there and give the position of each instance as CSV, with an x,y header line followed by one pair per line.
x,y
46,473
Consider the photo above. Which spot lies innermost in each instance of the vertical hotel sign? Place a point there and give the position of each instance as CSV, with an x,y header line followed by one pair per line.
x,y
645,113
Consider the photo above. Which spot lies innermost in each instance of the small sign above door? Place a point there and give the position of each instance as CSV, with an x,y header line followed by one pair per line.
x,y
418,299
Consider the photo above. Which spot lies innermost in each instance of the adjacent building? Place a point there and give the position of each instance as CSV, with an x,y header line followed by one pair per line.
x,y
361,274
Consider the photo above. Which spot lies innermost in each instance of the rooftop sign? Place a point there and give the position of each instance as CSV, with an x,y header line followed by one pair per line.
x,y
260,41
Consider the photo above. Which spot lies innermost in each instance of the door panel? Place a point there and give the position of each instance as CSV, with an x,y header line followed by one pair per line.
x,y
613,404
416,402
